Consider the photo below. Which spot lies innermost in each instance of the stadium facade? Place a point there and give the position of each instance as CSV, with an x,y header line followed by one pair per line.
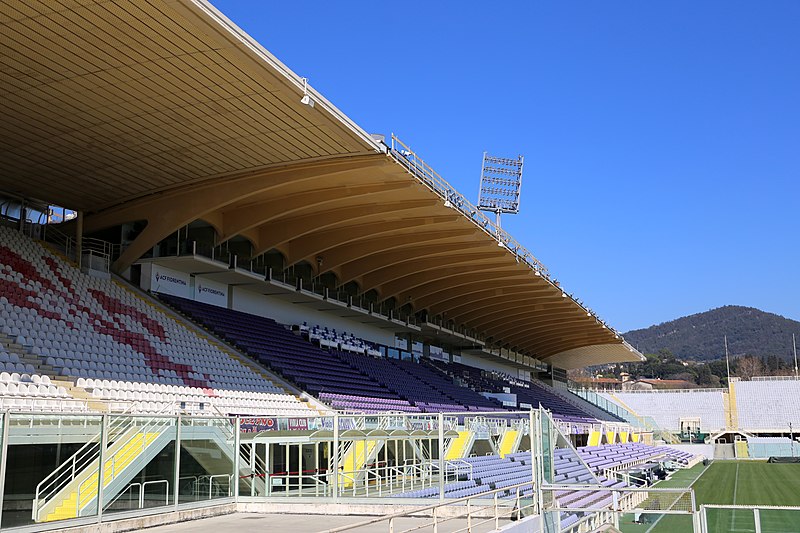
x,y
246,299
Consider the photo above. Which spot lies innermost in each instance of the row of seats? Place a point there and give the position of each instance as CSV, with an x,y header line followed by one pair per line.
x,y
341,340
151,397
328,375
609,456
770,404
528,393
667,408
351,381
86,327
34,392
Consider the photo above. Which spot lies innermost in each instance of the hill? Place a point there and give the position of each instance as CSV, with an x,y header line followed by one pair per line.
x,y
750,331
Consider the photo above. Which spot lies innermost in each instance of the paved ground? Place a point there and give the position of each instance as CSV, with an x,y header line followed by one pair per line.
x,y
286,523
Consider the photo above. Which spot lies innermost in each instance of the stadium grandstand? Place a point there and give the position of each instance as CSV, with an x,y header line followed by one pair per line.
x,y
218,293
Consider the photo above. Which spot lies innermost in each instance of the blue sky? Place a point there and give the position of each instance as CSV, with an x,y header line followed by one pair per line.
x,y
661,139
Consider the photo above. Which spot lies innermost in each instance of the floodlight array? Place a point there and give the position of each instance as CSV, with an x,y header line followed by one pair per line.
x,y
501,181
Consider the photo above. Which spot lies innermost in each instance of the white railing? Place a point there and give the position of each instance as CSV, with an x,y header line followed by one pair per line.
x,y
422,171
665,391
764,518
96,253
62,476
404,155
17,402
142,489
488,510
82,463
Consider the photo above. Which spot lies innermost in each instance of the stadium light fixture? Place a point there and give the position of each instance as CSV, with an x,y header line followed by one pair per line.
x,y
306,99
501,181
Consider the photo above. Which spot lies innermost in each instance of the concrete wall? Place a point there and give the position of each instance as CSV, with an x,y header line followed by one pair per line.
x,y
499,366
698,449
289,313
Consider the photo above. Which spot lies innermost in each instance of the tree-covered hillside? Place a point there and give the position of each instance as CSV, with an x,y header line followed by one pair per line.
x,y
750,331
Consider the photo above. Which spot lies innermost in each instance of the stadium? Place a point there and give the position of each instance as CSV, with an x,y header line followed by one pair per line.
x,y
219,296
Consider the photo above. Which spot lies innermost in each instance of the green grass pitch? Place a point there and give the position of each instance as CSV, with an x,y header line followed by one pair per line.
x,y
733,483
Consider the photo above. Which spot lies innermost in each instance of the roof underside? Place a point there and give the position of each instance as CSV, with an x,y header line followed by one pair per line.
x,y
165,111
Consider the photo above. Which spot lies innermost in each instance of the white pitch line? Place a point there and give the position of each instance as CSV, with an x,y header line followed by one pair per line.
x,y
690,486
735,488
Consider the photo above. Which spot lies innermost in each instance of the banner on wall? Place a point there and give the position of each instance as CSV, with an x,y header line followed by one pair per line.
x,y
211,292
437,353
168,281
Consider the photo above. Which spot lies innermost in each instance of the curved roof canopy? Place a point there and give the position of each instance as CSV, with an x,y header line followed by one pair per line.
x,y
165,111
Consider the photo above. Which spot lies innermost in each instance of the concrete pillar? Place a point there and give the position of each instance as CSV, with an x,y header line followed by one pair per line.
x,y
23,210
79,238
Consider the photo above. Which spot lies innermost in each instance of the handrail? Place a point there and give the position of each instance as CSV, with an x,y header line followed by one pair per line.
x,y
430,177
406,157
211,483
81,460
126,489
54,482
90,245
34,402
154,482
417,510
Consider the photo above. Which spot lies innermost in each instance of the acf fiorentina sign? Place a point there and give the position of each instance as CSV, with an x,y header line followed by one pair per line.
x,y
211,292
168,281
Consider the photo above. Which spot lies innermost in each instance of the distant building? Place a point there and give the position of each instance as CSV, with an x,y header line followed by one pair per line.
x,y
659,384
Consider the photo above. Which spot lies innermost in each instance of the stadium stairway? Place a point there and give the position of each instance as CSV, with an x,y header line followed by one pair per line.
x,y
509,442
460,446
356,456
729,404
741,450
80,393
32,363
71,490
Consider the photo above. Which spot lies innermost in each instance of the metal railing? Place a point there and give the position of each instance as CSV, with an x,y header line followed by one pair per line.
x,y
406,157
613,408
487,509
293,281
420,169
85,462
760,518
97,253
142,489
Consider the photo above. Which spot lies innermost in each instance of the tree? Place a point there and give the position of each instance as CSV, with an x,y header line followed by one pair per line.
x,y
704,376
747,367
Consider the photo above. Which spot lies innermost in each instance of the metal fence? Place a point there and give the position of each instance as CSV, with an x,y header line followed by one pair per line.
x,y
755,519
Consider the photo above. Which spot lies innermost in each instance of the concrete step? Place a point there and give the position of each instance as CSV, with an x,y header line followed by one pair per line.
x,y
27,357
81,394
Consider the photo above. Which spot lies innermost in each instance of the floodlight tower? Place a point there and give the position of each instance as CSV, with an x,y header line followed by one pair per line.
x,y
501,181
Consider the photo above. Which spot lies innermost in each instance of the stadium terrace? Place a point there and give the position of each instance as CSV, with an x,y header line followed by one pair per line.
x,y
219,294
